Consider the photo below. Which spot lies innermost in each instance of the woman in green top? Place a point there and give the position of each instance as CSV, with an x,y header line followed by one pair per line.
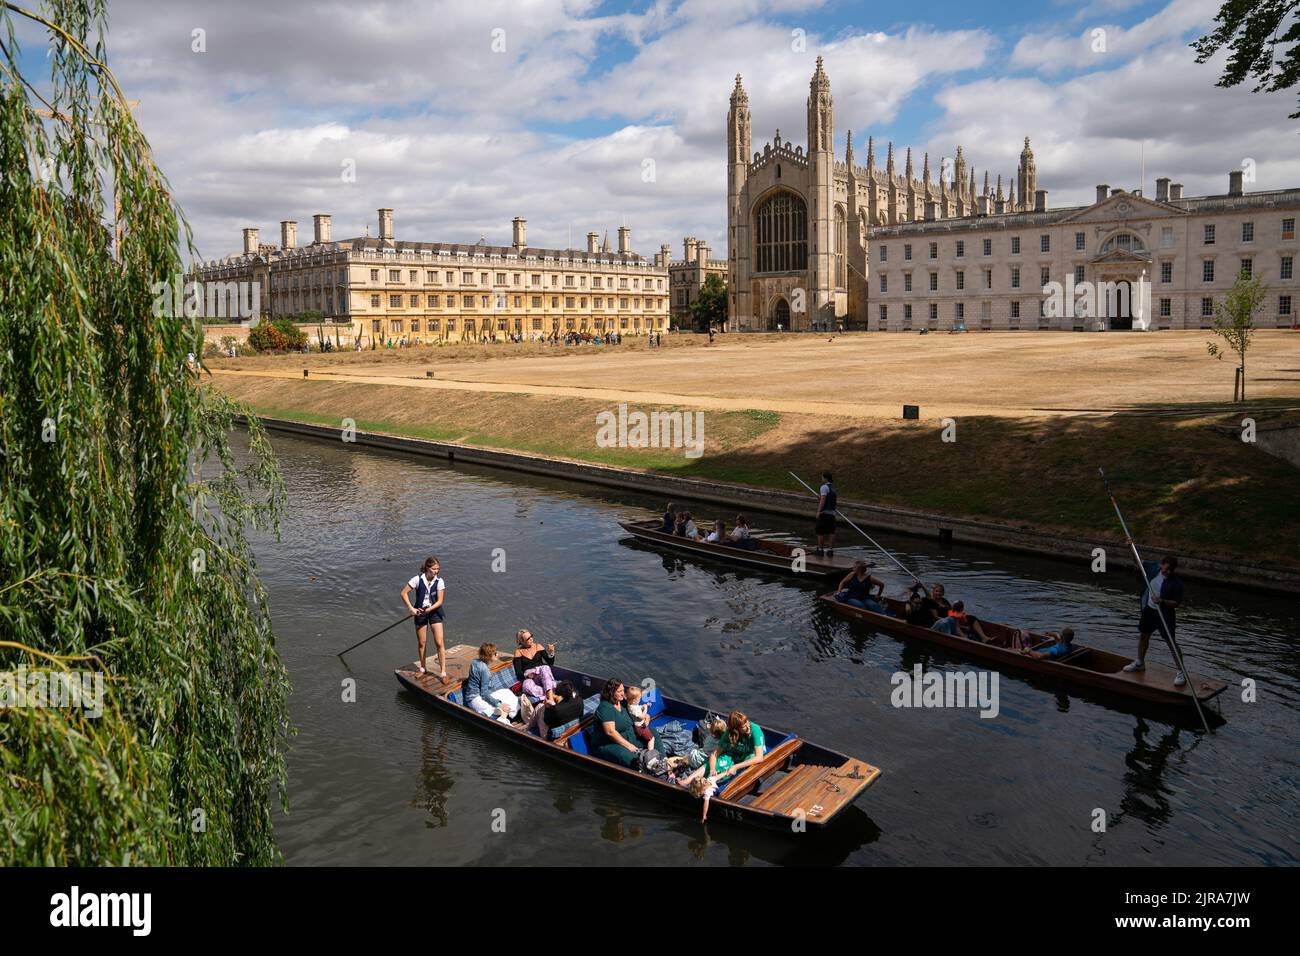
x,y
741,746
613,738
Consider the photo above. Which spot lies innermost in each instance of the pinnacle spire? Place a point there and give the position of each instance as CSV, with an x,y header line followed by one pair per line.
x,y
871,152
739,98
925,169
908,168
889,160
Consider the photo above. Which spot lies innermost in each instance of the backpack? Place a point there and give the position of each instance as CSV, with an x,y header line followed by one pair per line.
x,y
652,763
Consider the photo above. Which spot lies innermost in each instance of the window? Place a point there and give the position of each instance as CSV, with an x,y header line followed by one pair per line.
x,y
1080,242
394,301
934,311
537,302
414,278
431,277
394,275
1015,308
395,325
374,301
1166,272
1078,274
988,247
1015,245
415,325
934,282
884,283
568,302
961,280
1209,235
959,312
1247,232
961,248
1044,276
988,278
434,301
907,251
1044,243
907,313
1288,228
467,302
934,250
884,253
884,315
781,234
1166,308
1015,277
1284,305
1247,267
1207,270
1288,267
375,325
907,282
1207,307
374,275
451,277
415,301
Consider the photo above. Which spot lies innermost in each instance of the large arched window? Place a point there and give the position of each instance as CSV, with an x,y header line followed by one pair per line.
x,y
1125,241
841,243
781,234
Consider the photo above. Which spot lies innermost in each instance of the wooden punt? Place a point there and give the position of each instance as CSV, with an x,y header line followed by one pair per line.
x,y
1084,666
797,780
773,555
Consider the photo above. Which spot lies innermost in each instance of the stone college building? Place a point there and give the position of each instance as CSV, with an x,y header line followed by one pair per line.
x,y
816,243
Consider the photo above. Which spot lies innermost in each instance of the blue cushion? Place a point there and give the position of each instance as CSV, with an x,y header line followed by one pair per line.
x,y
560,730
590,704
578,743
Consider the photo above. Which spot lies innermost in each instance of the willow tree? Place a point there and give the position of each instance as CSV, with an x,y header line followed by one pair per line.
x,y
123,556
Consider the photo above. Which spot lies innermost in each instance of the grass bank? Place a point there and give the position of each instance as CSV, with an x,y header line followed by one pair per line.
x,y
1184,486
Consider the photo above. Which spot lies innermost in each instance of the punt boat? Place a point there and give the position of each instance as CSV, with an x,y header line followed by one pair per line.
x,y
773,555
797,780
1084,666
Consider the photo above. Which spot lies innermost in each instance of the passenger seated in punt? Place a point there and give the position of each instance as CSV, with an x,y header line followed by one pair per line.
x,y
739,536
924,610
960,624
1064,645
613,736
532,656
478,694
719,533
740,746
856,587
670,519
560,706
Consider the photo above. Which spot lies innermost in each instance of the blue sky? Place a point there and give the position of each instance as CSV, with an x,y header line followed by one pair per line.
x,y
558,125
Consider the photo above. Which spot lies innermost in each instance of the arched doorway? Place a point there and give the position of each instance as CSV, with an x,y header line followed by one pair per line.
x,y
781,314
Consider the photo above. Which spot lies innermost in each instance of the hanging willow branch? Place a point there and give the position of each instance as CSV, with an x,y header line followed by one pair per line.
x,y
114,560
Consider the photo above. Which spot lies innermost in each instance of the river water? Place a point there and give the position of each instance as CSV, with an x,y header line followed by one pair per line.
x,y
384,780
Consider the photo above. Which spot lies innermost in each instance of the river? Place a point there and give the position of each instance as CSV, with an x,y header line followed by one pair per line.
x,y
384,780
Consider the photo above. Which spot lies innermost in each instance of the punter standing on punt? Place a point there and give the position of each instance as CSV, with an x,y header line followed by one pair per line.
x,y
429,590
826,505
1163,594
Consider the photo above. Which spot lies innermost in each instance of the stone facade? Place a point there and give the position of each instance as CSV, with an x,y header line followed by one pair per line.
x,y
817,244
686,277
431,291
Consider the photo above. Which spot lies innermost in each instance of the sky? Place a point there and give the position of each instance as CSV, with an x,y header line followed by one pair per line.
x,y
583,116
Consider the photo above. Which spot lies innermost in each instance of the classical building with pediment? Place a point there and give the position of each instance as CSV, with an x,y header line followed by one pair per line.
x,y
819,244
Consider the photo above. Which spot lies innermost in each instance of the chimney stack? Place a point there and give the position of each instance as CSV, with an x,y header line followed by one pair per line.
x,y
520,233
624,240
982,205
1103,192
688,245
593,242
1175,191
1040,200
322,223
250,241
1234,183
665,252
288,233
1162,189
386,224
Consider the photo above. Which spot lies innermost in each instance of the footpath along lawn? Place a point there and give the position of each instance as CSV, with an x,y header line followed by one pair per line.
x,y
1183,485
